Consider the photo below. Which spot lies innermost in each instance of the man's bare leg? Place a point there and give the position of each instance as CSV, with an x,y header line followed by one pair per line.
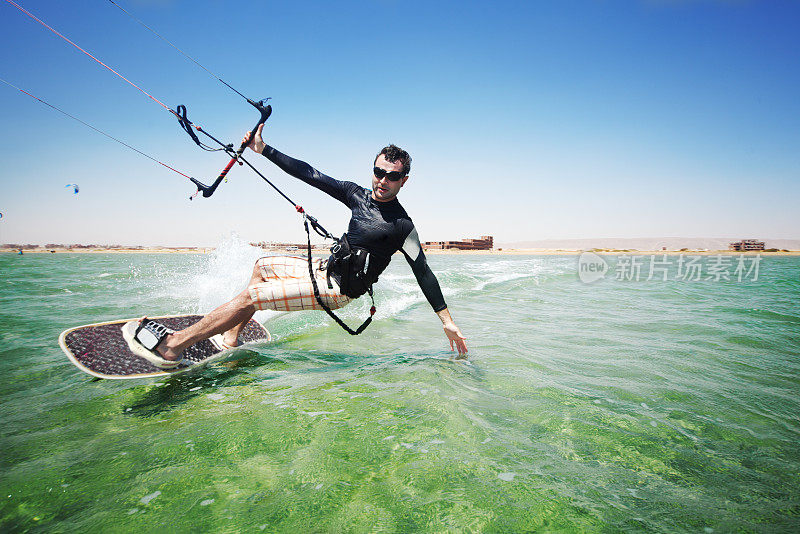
x,y
229,318
231,337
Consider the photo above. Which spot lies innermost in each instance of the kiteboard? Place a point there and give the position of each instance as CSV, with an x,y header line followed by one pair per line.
x,y
100,350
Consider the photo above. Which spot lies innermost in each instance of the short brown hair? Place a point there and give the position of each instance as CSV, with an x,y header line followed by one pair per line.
x,y
393,154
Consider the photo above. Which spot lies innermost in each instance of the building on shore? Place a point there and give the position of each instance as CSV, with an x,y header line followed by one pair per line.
x,y
747,244
485,242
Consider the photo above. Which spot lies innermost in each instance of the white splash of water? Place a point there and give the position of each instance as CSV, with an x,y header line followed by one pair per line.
x,y
218,277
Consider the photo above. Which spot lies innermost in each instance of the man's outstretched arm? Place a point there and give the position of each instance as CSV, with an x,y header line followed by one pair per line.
x,y
427,281
300,169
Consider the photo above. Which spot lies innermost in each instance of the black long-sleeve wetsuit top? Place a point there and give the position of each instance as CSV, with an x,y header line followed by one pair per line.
x,y
382,228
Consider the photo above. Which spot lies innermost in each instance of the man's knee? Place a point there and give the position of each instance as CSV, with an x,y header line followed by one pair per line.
x,y
244,299
258,274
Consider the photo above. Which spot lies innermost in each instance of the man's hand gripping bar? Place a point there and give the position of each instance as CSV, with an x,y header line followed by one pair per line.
x,y
208,190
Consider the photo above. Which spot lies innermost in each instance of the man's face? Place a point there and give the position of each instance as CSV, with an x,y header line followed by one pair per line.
x,y
383,189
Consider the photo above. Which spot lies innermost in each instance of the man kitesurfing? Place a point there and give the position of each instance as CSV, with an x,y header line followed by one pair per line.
x,y
379,227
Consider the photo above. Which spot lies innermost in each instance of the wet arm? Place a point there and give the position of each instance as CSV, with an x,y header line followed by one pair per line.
x,y
305,172
427,281
412,250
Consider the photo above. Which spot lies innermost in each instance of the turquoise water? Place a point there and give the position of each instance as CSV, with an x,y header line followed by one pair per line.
x,y
641,406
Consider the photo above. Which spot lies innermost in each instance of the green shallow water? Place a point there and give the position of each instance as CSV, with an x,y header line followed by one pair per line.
x,y
615,406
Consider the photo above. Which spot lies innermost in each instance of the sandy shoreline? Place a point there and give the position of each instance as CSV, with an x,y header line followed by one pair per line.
x,y
503,252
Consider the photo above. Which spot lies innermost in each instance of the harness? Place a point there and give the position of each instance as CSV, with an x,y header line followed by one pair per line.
x,y
343,256
353,266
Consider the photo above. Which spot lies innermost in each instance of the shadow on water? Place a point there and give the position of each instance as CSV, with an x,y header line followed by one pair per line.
x,y
242,367
174,391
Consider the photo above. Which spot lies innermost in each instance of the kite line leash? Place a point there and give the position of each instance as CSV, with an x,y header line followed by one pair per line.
x,y
98,130
184,54
184,122
40,21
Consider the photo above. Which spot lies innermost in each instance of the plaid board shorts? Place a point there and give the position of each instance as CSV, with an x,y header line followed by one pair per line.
x,y
287,285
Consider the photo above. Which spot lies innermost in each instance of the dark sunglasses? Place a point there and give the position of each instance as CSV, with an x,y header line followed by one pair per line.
x,y
392,176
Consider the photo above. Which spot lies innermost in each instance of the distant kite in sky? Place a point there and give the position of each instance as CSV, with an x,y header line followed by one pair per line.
x,y
75,186
1,214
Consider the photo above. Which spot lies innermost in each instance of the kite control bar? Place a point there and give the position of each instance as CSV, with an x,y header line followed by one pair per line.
x,y
208,190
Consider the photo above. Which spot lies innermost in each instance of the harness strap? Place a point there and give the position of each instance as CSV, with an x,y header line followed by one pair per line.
x,y
324,306
328,276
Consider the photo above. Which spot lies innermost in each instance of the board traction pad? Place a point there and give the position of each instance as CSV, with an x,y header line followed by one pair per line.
x,y
100,350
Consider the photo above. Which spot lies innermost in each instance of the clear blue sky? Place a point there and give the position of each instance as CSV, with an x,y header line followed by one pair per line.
x,y
526,120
